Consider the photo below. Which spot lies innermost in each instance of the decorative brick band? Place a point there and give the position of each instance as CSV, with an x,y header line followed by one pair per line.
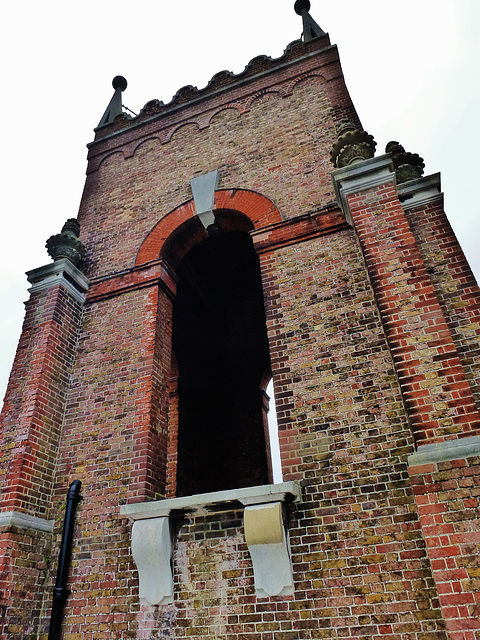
x,y
147,275
295,230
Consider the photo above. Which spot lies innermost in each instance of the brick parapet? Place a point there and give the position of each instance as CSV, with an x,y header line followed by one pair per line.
x,y
35,401
199,107
434,385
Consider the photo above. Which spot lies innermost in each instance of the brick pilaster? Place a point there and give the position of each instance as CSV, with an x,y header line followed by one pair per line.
x,y
30,427
418,320
449,271
35,399
437,394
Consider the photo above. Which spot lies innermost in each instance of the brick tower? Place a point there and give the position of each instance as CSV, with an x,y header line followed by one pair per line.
x,y
241,233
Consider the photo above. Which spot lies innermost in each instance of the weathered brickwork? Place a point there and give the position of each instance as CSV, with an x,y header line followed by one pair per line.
x,y
25,577
454,283
448,499
361,558
136,199
434,383
35,402
373,327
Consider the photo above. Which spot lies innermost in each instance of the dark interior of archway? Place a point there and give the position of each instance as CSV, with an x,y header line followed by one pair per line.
x,y
220,342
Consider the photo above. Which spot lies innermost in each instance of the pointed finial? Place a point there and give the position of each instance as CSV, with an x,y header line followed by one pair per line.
x,y
311,29
119,83
114,108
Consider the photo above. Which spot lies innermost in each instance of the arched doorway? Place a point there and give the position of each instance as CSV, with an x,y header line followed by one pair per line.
x,y
221,353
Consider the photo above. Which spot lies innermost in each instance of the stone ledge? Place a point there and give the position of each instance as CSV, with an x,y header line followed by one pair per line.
x,y
445,451
265,535
247,496
415,193
25,521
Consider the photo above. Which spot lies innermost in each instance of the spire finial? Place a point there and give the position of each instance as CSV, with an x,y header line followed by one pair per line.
x,y
311,29
114,108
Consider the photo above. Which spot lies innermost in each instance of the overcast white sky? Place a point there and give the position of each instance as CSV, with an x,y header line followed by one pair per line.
x,y
411,67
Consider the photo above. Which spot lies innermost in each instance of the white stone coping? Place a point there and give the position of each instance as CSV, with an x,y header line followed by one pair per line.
x,y
25,521
247,496
359,177
457,449
62,272
420,191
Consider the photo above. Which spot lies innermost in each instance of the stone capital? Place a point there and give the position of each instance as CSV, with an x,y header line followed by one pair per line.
x,y
360,177
421,191
61,272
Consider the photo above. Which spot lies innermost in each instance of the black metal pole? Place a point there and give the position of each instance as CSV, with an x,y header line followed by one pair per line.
x,y
60,592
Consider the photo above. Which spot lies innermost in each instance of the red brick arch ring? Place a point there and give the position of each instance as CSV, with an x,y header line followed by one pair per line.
x,y
259,209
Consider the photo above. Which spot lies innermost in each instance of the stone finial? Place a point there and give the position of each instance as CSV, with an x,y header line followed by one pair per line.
x,y
114,107
353,145
67,244
311,29
408,166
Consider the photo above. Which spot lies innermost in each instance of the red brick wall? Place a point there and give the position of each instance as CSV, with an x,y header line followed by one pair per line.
x,y
35,400
454,283
365,359
447,496
26,585
30,427
435,388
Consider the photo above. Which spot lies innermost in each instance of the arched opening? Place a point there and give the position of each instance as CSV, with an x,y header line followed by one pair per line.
x,y
277,474
221,353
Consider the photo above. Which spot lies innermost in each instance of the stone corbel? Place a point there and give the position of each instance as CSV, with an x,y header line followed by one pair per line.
x,y
152,550
267,543
264,533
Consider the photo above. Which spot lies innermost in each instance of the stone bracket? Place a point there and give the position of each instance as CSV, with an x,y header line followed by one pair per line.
x,y
264,533
268,546
152,550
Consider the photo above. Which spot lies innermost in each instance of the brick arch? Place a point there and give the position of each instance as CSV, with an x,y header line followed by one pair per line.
x,y
259,209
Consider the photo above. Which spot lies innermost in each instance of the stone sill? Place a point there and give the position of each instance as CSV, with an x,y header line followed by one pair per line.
x,y
263,494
